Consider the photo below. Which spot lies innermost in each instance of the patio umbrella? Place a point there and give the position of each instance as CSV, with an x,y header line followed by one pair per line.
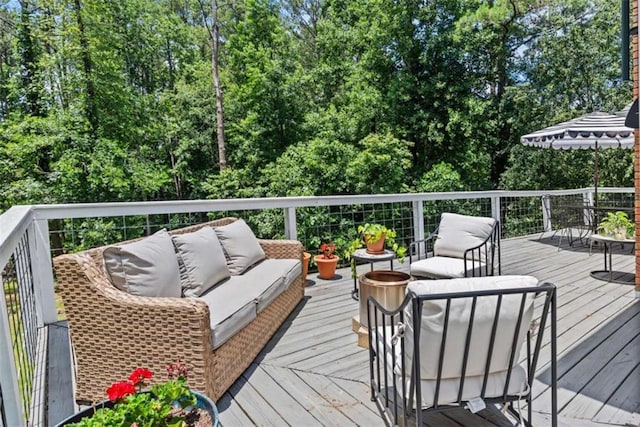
x,y
595,131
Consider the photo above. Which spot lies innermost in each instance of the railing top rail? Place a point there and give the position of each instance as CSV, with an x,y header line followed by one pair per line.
x,y
82,210
13,224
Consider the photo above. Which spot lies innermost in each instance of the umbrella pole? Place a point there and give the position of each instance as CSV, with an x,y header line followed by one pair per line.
x,y
595,185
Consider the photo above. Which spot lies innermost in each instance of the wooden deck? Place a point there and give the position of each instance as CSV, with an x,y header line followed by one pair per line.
x,y
313,373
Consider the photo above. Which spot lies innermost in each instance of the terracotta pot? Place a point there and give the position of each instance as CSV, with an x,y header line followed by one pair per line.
x,y
376,247
306,257
326,267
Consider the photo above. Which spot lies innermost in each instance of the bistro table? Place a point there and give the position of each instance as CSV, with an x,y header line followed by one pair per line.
x,y
363,256
609,274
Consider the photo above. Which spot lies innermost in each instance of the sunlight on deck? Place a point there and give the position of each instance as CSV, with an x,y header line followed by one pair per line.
x,y
313,373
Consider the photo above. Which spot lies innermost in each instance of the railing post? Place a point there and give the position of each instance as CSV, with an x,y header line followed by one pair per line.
x,y
418,220
587,196
290,225
11,402
495,208
546,211
42,271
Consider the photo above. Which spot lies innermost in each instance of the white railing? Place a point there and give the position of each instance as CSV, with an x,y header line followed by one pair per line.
x,y
31,224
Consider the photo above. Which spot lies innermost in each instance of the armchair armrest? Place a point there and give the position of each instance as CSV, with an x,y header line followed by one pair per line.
x,y
281,248
129,331
415,247
481,257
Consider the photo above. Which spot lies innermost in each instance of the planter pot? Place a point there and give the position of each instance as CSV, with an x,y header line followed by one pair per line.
x,y
326,267
377,247
203,402
306,257
620,233
386,286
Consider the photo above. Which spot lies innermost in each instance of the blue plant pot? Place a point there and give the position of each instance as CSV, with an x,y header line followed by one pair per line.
x,y
203,402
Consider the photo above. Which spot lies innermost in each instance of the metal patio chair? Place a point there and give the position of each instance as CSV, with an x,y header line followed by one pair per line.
x,y
459,343
570,220
462,246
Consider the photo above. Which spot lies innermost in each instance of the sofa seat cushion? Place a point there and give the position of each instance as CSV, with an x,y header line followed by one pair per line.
x,y
147,267
240,245
235,302
441,267
201,259
268,279
230,310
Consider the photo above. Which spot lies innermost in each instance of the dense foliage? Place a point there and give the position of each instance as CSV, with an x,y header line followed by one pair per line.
x,y
109,100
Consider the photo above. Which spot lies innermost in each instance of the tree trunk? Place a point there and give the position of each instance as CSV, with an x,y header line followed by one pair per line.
x,y
215,39
90,102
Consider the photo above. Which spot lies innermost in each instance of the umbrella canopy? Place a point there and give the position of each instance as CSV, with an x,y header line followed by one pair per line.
x,y
591,131
595,131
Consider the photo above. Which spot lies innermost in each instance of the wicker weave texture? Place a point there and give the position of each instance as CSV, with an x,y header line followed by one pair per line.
x,y
113,332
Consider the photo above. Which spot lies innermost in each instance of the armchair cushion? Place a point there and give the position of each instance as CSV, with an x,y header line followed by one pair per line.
x,y
147,267
240,246
457,233
432,323
440,267
449,387
201,259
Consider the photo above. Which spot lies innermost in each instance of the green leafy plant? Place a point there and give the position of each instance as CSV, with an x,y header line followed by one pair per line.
x,y
162,405
617,225
372,233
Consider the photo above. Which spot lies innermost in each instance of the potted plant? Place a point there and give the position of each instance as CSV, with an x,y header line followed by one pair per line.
x,y
306,257
375,237
617,225
168,404
326,261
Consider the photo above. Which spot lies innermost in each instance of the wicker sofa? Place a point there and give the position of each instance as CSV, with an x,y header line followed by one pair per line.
x,y
113,332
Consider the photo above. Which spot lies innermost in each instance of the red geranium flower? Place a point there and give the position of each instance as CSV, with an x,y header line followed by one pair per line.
x,y
119,390
139,375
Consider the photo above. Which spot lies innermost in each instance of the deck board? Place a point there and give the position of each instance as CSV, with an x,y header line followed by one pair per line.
x,y
313,373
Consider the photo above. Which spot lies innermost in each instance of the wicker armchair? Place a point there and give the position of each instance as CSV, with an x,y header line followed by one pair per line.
x,y
113,332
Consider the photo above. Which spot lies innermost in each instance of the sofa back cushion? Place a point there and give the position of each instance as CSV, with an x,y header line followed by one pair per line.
x,y
457,233
240,246
201,259
147,267
433,317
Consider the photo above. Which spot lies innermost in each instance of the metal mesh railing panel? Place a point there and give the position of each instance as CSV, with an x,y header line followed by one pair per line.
x,y
18,290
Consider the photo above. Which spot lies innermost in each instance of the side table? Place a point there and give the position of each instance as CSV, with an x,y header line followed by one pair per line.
x,y
363,256
609,274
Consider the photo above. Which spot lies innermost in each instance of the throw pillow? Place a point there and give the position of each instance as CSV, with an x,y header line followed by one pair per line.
x,y
147,267
202,261
240,246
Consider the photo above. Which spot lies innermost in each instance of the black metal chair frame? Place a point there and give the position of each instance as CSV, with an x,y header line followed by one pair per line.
x,y
396,401
471,255
567,217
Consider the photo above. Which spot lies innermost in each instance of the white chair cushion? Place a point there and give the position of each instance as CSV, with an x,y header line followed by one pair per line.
x,y
457,233
432,322
440,267
473,387
240,246
449,387
201,259
147,267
